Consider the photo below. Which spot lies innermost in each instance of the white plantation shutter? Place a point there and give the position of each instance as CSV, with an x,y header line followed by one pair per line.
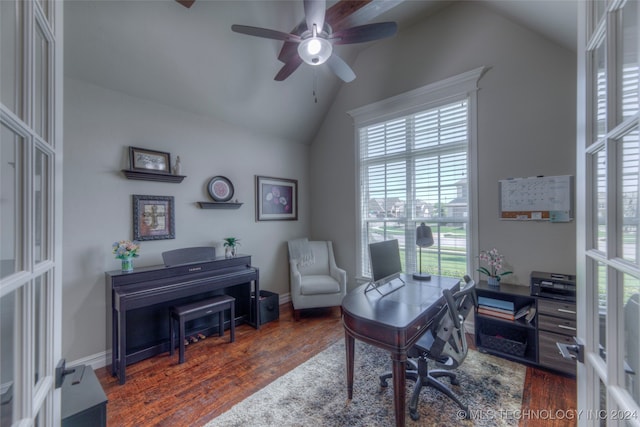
x,y
414,169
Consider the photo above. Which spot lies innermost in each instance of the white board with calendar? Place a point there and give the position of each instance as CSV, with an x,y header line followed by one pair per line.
x,y
540,198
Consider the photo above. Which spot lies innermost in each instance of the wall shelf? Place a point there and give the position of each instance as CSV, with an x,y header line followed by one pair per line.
x,y
219,205
150,176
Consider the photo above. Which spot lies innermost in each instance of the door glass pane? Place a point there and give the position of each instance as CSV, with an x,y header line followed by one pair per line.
x,y
11,207
628,197
10,315
600,198
599,88
41,85
39,330
631,345
628,75
41,208
10,52
601,286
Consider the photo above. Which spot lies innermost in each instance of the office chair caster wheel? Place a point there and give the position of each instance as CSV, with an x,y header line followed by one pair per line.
x,y
415,416
383,381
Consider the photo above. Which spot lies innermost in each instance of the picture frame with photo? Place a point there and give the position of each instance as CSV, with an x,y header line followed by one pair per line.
x,y
153,217
276,199
144,160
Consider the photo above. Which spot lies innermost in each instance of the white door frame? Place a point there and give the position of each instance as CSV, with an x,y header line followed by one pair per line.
x,y
608,262
31,286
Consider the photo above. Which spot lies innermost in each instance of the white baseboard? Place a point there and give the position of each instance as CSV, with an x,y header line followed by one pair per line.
x,y
102,359
284,298
98,360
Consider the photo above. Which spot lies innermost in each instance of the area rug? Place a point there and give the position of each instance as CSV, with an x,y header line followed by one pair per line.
x,y
315,394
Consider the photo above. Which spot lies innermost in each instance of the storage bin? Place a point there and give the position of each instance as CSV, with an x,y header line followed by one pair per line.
x,y
269,306
509,341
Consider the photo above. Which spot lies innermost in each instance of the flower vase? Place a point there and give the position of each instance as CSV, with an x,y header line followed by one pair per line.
x,y
127,264
230,252
493,281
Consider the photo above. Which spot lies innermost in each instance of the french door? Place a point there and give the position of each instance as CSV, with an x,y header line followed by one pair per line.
x,y
30,210
608,224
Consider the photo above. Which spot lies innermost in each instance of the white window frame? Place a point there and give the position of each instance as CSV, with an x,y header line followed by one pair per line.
x,y
459,87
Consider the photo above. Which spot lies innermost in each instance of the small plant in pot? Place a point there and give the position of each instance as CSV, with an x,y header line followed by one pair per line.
x,y
494,262
230,246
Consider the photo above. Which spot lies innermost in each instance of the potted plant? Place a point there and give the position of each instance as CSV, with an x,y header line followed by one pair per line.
x,y
494,264
230,245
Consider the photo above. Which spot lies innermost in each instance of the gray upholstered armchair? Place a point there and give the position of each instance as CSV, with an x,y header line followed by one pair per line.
x,y
316,281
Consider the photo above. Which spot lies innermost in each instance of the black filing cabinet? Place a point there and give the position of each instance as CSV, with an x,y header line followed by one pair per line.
x,y
85,403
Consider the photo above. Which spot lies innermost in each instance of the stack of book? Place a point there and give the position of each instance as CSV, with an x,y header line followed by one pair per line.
x,y
498,308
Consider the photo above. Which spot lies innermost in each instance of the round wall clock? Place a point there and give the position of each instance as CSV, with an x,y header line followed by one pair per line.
x,y
220,189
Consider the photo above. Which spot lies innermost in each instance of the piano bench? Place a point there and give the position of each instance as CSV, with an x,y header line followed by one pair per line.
x,y
184,313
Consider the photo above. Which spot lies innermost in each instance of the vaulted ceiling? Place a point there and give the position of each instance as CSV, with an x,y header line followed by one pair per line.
x,y
189,59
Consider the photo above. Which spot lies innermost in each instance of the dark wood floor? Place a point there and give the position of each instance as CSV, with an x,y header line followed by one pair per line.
x,y
217,374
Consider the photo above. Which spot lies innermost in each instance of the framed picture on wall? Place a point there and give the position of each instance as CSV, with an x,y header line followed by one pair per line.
x,y
276,199
149,161
153,217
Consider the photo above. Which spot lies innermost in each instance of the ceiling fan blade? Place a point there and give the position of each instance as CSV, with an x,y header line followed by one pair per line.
x,y
364,33
290,49
340,68
265,33
288,68
314,11
186,3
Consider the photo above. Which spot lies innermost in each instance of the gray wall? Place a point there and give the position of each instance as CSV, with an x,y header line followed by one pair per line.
x,y
526,127
100,125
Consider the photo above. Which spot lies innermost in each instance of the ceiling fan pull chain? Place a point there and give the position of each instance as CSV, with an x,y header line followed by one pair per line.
x,y
315,84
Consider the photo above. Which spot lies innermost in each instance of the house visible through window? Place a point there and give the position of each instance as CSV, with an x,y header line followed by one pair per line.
x,y
414,167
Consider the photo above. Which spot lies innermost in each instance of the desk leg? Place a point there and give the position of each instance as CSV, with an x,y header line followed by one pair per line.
x,y
399,384
350,346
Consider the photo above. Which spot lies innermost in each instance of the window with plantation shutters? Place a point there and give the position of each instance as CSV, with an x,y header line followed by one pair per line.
x,y
414,167
413,170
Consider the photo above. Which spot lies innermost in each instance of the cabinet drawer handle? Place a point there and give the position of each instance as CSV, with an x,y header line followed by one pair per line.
x,y
563,310
567,327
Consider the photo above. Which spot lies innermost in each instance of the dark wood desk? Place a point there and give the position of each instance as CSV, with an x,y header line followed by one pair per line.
x,y
393,322
140,302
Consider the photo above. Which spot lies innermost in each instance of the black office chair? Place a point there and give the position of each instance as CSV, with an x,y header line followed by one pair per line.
x,y
445,344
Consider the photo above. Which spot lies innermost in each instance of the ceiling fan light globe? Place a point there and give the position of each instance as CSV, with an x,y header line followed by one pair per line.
x,y
315,50
314,46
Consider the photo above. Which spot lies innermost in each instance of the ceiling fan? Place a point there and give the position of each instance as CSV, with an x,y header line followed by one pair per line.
x,y
315,39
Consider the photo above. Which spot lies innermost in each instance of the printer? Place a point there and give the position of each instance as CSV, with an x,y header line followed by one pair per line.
x,y
553,286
